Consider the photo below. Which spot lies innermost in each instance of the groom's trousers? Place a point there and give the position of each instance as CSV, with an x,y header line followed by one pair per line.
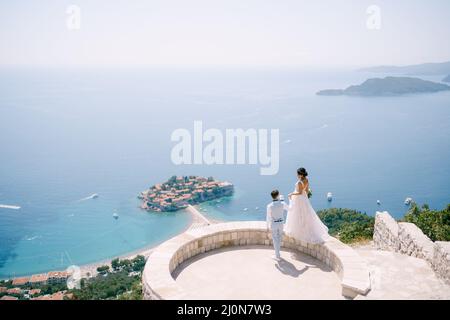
x,y
277,236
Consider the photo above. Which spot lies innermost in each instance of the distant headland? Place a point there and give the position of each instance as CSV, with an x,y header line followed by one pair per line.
x,y
416,69
179,192
389,86
446,79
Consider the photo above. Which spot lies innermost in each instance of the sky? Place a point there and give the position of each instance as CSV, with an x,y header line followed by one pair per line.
x,y
123,33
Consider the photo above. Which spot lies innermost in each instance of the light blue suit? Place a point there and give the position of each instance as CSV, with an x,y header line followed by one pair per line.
x,y
275,221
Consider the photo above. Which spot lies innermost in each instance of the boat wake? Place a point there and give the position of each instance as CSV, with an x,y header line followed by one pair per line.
x,y
5,206
32,238
92,196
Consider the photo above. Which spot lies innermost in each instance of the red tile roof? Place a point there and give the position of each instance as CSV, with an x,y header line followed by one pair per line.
x,y
14,291
20,281
34,291
56,296
39,278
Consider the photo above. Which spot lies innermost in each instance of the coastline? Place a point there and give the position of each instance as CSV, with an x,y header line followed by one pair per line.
x,y
197,220
90,269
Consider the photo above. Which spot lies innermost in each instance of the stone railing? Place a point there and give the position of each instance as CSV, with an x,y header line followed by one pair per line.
x,y
385,235
407,238
158,282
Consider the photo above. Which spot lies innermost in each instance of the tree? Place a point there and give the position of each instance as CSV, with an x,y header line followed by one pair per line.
x,y
348,225
115,264
103,269
433,223
172,180
138,263
111,286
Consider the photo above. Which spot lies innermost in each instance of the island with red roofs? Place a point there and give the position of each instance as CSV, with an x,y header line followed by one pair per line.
x,y
179,192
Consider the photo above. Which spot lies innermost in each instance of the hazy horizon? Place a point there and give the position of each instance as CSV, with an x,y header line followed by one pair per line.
x,y
221,33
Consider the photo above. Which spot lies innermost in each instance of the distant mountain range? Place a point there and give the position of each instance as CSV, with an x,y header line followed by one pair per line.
x,y
418,69
389,86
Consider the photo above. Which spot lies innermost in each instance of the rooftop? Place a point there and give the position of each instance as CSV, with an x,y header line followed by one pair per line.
x,y
9,298
20,281
39,278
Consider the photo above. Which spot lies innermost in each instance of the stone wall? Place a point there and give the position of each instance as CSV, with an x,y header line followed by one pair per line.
x,y
159,284
441,260
385,234
414,242
407,238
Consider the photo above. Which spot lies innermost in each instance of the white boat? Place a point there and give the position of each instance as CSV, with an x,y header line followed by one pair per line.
x,y
94,196
6,206
115,215
408,201
256,208
245,209
329,196
378,202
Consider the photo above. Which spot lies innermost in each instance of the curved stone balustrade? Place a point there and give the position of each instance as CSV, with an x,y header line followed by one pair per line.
x,y
158,282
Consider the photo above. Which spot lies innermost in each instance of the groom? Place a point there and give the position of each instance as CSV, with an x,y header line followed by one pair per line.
x,y
275,220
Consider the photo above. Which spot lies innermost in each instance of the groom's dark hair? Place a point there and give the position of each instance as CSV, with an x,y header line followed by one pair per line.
x,y
275,193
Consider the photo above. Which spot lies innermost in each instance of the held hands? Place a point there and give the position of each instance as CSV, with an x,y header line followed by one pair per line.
x,y
293,194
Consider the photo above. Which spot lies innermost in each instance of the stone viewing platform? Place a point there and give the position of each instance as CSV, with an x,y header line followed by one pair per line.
x,y
249,273
180,192
233,261
185,266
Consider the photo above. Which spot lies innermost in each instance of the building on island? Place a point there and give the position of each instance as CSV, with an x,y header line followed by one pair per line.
x,y
57,277
34,292
17,291
60,295
21,281
39,279
9,298
179,192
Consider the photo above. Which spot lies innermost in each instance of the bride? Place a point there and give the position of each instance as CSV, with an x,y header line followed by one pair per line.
x,y
302,222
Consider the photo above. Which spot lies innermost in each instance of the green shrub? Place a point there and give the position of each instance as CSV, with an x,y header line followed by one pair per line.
x,y
109,286
103,269
435,224
348,225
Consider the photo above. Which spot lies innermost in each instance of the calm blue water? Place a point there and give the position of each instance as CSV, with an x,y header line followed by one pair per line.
x,y
67,134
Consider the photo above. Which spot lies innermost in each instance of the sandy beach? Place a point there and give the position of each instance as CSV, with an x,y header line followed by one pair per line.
x,y
198,220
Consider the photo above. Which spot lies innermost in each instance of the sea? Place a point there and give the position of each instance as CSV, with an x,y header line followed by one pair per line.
x,y
68,134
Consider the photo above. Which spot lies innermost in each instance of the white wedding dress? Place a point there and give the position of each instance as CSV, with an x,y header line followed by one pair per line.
x,y
302,222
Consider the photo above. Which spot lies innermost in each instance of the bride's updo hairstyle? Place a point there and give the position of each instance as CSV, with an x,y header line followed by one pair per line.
x,y
302,172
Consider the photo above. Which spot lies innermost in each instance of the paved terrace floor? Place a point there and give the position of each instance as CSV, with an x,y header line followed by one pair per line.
x,y
397,276
251,273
